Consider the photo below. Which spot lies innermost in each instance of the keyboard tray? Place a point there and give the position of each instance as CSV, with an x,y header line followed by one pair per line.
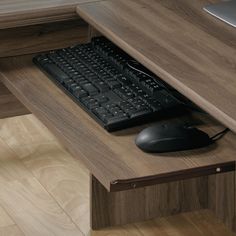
x,y
112,158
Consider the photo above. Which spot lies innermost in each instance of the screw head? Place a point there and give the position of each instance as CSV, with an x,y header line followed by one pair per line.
x,y
134,185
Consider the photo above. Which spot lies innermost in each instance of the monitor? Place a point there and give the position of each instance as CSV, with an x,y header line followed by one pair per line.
x,y
225,11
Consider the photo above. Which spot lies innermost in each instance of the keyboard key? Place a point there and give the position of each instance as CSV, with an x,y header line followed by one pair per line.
x,y
116,119
102,113
90,88
43,60
125,81
75,88
67,83
80,93
102,99
100,110
114,84
93,105
102,86
56,72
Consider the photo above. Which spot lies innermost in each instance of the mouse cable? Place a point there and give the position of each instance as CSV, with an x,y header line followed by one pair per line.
x,y
219,135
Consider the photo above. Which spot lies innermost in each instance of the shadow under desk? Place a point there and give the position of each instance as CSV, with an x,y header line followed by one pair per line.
x,y
128,185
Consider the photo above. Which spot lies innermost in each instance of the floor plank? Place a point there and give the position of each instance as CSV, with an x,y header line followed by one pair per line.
x,y
26,201
9,105
34,210
21,131
5,219
69,182
13,230
11,168
62,176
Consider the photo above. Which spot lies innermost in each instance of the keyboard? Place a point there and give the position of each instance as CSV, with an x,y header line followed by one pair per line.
x,y
109,85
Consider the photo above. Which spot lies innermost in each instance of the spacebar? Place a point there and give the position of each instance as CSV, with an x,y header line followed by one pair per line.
x,y
140,113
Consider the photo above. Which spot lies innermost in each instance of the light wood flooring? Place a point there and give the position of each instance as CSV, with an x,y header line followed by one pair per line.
x,y
44,191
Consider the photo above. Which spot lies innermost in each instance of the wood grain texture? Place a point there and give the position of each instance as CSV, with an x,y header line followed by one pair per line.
x,y
11,169
9,105
92,32
23,134
200,223
63,177
221,194
177,40
28,203
39,209
5,219
45,37
15,13
12,230
110,156
120,208
69,180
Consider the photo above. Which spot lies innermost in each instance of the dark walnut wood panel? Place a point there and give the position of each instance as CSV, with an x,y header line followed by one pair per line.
x,y
14,13
109,157
177,40
215,192
9,105
37,38
118,208
221,198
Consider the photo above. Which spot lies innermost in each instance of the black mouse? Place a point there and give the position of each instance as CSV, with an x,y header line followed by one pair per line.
x,y
171,137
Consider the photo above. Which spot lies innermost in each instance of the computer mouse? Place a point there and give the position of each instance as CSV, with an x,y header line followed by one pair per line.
x,y
170,138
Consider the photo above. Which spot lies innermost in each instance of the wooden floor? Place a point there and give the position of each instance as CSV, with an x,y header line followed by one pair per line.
x,y
44,191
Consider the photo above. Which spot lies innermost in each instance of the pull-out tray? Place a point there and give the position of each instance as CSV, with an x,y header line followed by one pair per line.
x,y
112,158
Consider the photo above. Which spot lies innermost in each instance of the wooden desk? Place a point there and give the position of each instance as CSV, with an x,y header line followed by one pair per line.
x,y
154,185
113,159
177,40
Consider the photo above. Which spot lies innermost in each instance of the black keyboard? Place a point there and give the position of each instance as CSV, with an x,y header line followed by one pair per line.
x,y
112,87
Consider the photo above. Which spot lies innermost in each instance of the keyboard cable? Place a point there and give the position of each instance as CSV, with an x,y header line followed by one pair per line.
x,y
192,107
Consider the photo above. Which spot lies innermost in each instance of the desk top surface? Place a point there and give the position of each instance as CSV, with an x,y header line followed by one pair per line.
x,y
188,48
15,13
112,158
